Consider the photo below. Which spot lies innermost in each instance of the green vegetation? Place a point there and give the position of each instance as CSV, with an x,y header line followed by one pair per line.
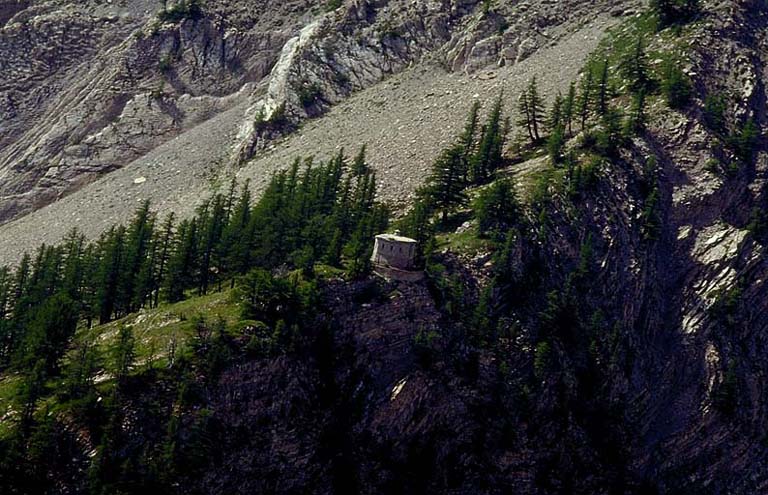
x,y
496,209
306,214
182,10
332,5
676,86
714,112
277,121
674,12
309,94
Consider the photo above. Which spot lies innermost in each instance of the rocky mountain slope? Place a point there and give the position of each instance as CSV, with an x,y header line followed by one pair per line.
x,y
174,112
654,377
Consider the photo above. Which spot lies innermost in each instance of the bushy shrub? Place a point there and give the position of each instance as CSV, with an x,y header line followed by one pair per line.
x,y
184,9
496,208
675,12
676,86
714,112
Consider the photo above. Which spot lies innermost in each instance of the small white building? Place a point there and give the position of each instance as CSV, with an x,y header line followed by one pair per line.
x,y
394,251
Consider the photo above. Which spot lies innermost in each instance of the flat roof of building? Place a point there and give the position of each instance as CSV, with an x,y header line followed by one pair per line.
x,y
396,238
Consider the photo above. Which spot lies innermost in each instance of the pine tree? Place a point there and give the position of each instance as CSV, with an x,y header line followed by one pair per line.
x,y
124,353
531,106
569,108
78,376
536,103
212,221
468,135
556,144
183,262
634,66
637,120
112,259
137,244
341,224
496,208
164,243
602,89
237,236
675,86
555,119
417,225
48,334
359,166
446,184
610,137
585,98
489,153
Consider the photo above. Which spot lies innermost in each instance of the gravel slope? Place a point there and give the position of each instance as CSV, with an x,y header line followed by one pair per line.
x,y
404,120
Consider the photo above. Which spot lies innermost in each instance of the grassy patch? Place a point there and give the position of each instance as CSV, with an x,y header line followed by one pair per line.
x,y
156,329
466,242
9,386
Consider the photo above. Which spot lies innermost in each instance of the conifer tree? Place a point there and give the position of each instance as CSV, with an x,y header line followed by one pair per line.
x,y
236,237
602,89
556,144
569,108
555,119
74,264
137,244
585,98
675,86
164,243
634,66
637,120
416,225
446,184
48,334
489,153
359,166
112,259
497,208
124,353
182,263
531,105
468,135
212,222
611,137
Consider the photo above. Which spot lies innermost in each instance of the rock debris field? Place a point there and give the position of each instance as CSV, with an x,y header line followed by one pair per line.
x,y
405,121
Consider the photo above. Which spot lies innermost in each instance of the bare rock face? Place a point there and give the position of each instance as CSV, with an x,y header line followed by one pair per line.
x,y
363,42
88,88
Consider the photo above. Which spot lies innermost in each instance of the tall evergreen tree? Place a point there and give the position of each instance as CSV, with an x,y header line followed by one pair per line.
x,y
163,243
359,165
602,89
634,67
468,135
569,108
111,267
585,97
637,119
531,107
183,262
236,237
489,153
446,184
136,272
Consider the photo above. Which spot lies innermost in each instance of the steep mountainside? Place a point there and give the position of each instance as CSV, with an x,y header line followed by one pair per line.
x,y
611,338
175,101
